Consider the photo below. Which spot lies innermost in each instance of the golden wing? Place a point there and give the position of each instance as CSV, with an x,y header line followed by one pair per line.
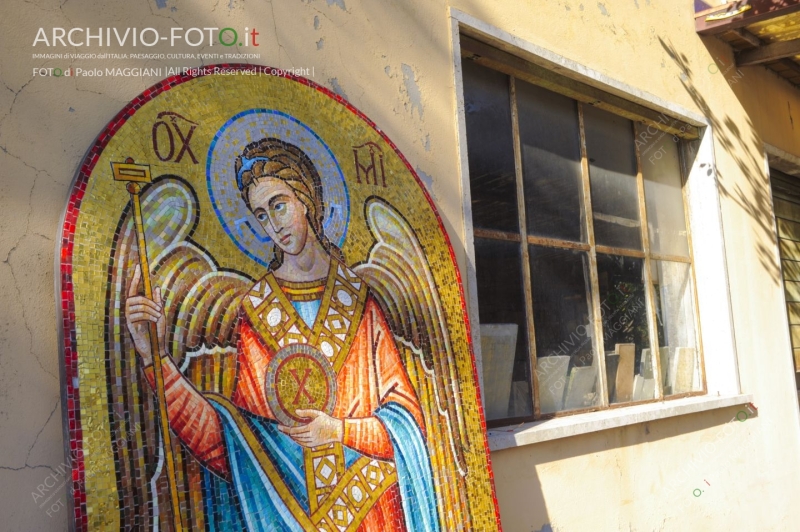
x,y
201,304
398,273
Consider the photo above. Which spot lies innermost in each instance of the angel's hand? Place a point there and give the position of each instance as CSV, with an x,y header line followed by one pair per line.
x,y
321,430
139,313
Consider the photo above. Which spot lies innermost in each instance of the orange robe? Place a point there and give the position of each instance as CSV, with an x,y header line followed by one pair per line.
x,y
372,375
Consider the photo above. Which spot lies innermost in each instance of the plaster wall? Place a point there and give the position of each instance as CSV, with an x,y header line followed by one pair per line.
x,y
393,60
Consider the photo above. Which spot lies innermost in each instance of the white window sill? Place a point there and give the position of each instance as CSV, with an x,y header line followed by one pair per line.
x,y
563,427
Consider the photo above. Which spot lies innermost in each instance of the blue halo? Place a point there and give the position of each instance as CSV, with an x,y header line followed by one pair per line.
x,y
237,220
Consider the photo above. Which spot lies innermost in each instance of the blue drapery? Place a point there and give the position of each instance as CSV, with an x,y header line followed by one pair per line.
x,y
413,466
249,500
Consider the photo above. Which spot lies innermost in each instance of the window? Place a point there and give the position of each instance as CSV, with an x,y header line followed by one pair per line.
x,y
581,244
786,199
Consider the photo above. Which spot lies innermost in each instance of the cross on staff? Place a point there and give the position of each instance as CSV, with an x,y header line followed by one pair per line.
x,y
135,175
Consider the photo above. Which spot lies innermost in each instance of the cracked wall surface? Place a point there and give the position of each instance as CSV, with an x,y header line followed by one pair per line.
x,y
393,61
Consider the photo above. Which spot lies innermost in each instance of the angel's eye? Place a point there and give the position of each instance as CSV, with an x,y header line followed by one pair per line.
x,y
279,208
261,217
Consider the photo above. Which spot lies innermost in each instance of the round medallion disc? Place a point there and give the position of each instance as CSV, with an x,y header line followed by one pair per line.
x,y
299,377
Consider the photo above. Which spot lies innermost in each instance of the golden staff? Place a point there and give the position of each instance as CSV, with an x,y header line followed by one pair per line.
x,y
135,175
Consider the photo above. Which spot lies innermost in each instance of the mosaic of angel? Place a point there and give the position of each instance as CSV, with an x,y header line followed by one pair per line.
x,y
308,399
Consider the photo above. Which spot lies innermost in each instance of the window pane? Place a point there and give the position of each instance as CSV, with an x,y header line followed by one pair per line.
x,y
551,162
564,335
612,169
678,353
490,149
666,223
625,331
504,338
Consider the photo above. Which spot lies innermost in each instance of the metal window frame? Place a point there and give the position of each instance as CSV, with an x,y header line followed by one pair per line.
x,y
516,68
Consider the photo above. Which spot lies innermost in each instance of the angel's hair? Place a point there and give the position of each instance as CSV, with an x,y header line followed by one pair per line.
x,y
276,159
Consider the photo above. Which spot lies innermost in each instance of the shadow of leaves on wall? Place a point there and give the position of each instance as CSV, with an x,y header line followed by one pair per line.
x,y
755,198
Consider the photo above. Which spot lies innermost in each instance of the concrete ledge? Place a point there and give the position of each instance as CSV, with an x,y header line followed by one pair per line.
x,y
564,427
783,160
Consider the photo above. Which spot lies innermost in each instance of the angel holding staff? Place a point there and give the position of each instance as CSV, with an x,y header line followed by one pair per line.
x,y
323,430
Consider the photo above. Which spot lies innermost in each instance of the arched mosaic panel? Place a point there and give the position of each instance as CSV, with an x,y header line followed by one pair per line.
x,y
263,322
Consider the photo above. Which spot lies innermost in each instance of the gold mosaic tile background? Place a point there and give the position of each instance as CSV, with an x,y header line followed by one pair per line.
x,y
209,102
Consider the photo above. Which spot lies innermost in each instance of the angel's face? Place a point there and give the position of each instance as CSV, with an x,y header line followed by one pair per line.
x,y
280,213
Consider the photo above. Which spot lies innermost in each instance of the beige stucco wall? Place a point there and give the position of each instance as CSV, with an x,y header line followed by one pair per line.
x,y
393,60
